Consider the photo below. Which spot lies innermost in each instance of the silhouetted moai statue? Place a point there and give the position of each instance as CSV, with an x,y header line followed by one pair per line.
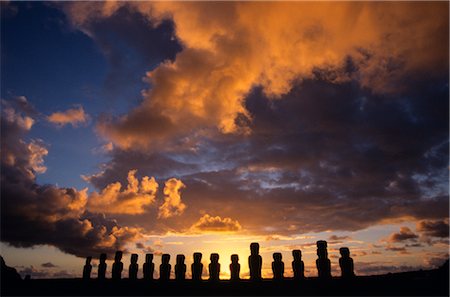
x,y
346,263
323,264
133,269
277,266
255,262
117,266
297,265
149,267
214,267
235,267
102,267
180,268
197,267
164,268
87,268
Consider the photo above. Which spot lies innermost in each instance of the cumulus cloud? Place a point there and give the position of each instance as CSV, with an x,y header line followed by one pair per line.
x,y
404,234
209,223
73,116
132,200
172,206
271,45
33,214
438,228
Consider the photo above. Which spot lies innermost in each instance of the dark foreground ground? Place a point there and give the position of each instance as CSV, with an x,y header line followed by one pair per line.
x,y
425,283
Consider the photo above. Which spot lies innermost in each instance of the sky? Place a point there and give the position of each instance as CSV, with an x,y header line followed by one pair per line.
x,y
182,127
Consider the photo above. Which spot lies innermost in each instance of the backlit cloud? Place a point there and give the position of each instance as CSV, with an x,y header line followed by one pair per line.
x,y
172,206
209,223
437,228
272,45
404,234
73,116
131,200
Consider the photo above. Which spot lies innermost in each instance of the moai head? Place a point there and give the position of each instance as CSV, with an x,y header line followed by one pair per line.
x,y
180,259
297,254
134,258
234,258
197,257
118,256
345,252
322,249
102,258
165,259
88,260
254,248
148,258
214,258
321,244
277,257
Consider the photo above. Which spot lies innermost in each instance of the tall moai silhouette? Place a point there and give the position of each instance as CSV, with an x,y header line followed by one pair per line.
x,y
323,264
346,263
197,267
149,267
87,268
180,268
255,262
164,268
277,266
101,274
297,265
133,269
235,267
214,267
117,266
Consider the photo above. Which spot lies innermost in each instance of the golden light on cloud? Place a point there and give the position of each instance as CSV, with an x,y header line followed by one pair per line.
x,y
73,116
209,223
172,205
132,200
231,47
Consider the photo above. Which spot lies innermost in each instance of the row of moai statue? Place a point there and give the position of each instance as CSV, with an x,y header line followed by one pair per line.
x,y
323,265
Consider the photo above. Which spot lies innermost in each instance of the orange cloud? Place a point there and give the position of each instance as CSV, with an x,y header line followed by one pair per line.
x,y
216,224
73,116
132,200
230,47
172,205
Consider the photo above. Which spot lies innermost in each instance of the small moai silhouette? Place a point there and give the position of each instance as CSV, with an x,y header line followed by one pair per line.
x,y
346,263
297,265
180,268
87,268
133,269
197,267
117,266
323,264
101,274
255,262
235,267
164,268
277,266
214,267
149,267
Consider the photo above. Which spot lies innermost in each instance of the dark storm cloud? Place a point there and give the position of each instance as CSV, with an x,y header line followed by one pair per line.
x,y
434,228
324,157
33,214
404,234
